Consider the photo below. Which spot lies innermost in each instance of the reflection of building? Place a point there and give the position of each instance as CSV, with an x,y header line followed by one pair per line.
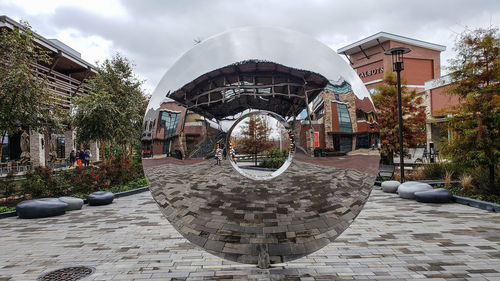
x,y
66,75
171,130
340,121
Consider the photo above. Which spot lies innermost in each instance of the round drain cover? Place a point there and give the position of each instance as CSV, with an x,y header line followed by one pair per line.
x,y
67,274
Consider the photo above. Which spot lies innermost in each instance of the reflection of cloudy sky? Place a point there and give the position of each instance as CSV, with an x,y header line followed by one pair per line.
x,y
154,33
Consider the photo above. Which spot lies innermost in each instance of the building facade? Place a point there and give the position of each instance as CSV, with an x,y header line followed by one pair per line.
x,y
67,75
367,58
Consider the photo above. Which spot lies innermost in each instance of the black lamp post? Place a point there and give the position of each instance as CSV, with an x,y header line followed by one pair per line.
x,y
397,64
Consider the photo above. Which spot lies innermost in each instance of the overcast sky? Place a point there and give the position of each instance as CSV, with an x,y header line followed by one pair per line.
x,y
153,34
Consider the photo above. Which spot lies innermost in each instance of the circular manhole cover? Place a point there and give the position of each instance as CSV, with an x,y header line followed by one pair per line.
x,y
67,274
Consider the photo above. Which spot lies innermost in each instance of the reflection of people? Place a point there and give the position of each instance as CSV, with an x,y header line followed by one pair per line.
x,y
224,153
218,154
232,154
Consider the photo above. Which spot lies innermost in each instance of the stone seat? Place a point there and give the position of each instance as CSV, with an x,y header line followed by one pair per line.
x,y
390,186
40,208
73,203
440,195
99,198
407,190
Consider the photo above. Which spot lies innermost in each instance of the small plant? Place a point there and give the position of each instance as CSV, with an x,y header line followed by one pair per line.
x,y
418,174
397,176
466,183
447,178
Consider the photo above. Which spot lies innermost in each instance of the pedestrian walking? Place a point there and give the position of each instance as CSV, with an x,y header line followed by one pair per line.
x,y
88,154
218,154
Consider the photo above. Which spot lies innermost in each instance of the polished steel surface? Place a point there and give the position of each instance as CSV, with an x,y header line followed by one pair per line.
x,y
229,156
278,45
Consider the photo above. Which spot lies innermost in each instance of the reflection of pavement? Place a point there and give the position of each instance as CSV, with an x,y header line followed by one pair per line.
x,y
256,172
363,163
294,214
152,162
391,239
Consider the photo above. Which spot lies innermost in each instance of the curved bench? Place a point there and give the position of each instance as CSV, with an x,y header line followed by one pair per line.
x,y
407,190
40,208
73,203
439,195
99,198
390,186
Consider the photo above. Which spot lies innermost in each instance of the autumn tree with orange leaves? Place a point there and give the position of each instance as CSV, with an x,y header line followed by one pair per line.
x,y
386,102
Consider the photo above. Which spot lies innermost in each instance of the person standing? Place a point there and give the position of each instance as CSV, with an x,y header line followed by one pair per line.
x,y
81,156
88,154
218,154
72,158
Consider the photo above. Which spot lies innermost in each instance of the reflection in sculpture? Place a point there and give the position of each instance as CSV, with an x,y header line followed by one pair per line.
x,y
25,148
286,211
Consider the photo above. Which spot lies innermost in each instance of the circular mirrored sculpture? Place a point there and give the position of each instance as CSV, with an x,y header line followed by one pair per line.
x,y
259,145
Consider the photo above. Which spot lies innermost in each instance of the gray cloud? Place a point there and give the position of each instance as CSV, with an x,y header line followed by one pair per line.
x,y
155,33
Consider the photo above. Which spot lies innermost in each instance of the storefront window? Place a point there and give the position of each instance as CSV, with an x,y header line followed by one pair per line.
x,y
170,120
344,118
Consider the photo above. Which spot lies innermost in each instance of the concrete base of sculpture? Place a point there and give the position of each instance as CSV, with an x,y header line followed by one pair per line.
x,y
99,198
41,208
73,203
439,195
407,190
390,186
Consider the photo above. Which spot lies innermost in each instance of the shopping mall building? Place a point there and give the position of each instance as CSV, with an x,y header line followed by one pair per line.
x,y
342,122
67,75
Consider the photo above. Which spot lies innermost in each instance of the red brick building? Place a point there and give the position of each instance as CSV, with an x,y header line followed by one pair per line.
x,y
367,57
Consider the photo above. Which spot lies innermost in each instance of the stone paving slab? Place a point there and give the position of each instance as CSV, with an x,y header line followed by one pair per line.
x,y
392,239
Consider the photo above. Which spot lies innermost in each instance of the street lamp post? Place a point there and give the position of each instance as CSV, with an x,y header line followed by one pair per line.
x,y
397,64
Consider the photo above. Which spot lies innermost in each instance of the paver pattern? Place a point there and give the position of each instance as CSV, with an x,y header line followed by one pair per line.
x,y
250,221
392,239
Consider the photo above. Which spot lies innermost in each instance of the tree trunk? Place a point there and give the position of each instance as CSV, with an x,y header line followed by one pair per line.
x,y
131,152
390,157
124,153
110,151
492,180
102,151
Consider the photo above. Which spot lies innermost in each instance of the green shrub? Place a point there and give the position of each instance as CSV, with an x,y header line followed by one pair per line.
x,y
7,184
4,209
40,182
437,171
274,163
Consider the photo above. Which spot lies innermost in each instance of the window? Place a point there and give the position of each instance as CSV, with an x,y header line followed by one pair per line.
x,y
320,111
60,147
170,120
361,115
337,97
344,118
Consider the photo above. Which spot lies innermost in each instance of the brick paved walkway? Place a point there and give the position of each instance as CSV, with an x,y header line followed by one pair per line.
x,y
392,238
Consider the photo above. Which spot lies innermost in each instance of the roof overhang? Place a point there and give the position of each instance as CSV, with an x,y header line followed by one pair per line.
x,y
382,37
5,21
